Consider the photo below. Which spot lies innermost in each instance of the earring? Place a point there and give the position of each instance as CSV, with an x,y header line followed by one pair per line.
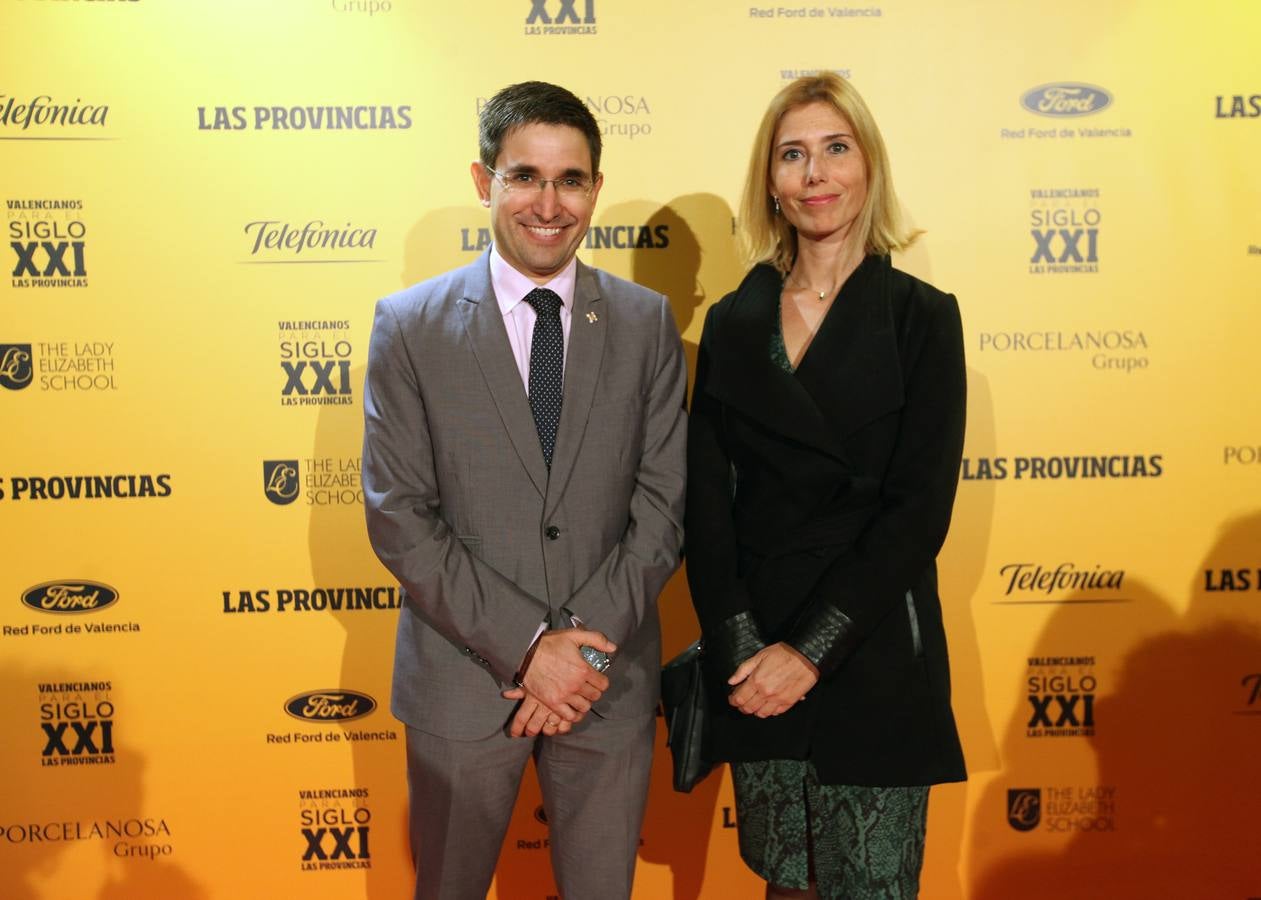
x,y
776,199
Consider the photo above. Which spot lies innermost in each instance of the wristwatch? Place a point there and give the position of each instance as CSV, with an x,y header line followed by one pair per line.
x,y
597,659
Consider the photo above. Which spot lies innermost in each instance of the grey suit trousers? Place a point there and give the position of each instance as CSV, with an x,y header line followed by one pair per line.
x,y
594,782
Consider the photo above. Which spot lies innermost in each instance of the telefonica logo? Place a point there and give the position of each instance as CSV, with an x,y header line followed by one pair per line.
x,y
330,706
1066,99
43,110
69,596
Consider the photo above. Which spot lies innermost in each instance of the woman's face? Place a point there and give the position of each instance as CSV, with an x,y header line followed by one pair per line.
x,y
817,171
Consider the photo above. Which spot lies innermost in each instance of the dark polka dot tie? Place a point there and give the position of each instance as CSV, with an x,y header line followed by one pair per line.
x,y
547,367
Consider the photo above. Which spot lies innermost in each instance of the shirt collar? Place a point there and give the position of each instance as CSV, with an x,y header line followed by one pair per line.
x,y
511,286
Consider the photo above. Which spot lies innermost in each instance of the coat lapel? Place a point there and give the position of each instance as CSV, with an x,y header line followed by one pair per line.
x,y
587,329
849,376
852,369
485,328
743,376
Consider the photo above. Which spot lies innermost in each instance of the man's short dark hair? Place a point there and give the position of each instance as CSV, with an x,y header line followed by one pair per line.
x,y
529,103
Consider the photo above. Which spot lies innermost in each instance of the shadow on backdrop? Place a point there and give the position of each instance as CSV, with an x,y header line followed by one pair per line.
x,y
341,557
1178,731
36,869
139,877
701,265
961,570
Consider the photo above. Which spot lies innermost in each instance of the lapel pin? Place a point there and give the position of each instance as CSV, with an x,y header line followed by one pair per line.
x,y
592,318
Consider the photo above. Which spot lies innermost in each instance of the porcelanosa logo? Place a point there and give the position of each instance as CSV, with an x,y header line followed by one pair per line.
x,y
1241,454
549,17
617,115
335,824
330,706
1118,350
315,362
35,118
369,8
133,837
621,115
16,369
78,596
1066,99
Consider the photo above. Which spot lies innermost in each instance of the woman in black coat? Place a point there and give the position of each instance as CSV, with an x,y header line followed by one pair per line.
x,y
824,448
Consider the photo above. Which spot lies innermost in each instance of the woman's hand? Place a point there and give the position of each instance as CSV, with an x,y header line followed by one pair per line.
x,y
771,681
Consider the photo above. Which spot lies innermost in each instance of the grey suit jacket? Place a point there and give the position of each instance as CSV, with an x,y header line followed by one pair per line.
x,y
485,542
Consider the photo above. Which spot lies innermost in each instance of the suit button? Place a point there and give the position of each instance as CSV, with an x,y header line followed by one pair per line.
x,y
552,532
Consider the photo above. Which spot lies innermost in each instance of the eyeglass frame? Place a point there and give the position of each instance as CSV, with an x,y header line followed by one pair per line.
x,y
542,183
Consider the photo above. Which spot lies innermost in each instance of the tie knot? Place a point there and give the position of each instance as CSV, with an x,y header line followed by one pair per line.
x,y
545,302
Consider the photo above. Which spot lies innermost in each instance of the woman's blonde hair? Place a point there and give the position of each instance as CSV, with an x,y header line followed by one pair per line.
x,y
766,235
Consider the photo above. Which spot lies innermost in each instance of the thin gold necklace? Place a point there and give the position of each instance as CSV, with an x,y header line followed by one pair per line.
x,y
822,294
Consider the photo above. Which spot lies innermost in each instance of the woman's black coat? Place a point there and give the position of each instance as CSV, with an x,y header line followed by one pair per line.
x,y
817,502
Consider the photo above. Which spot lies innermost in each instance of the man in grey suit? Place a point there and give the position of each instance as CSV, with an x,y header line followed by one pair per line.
x,y
523,473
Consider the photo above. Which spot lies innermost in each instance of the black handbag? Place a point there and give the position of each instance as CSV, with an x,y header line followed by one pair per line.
x,y
687,716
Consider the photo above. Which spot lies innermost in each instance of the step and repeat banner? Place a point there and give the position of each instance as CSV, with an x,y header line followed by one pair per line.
x,y
203,202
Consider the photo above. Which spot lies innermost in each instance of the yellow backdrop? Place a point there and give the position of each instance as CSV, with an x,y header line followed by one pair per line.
x,y
203,202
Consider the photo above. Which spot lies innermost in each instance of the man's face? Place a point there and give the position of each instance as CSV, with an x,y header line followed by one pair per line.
x,y
538,231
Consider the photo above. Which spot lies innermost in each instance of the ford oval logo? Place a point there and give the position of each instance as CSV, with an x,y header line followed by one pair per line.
x,y
1066,98
330,706
71,596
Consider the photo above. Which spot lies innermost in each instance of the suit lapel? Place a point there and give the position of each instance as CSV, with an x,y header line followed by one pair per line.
x,y
587,328
485,328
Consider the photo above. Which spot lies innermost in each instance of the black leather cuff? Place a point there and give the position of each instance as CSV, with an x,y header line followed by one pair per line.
x,y
825,637
734,641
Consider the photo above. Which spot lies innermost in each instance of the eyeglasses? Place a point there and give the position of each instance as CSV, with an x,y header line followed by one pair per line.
x,y
572,186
